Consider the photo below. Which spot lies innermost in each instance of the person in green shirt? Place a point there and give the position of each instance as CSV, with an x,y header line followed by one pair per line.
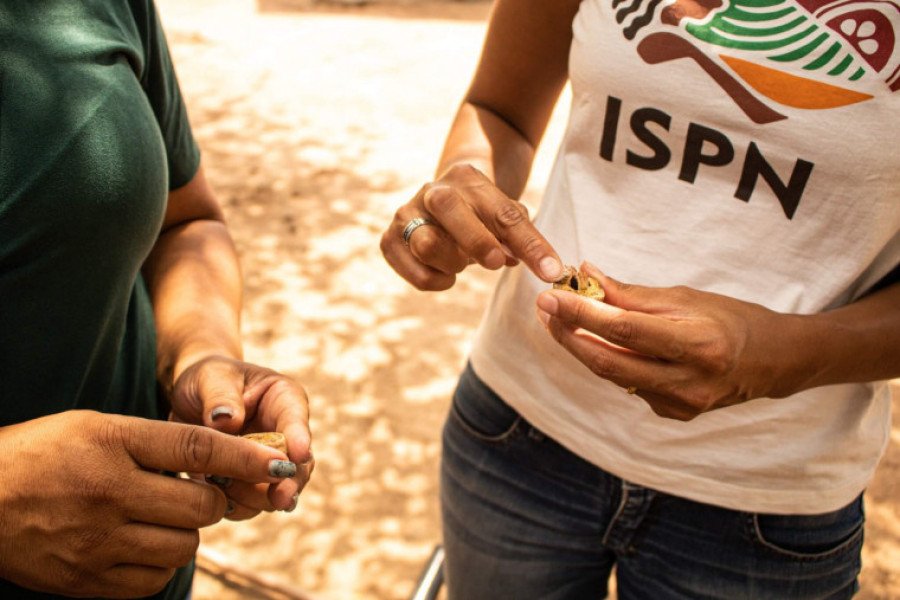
x,y
120,356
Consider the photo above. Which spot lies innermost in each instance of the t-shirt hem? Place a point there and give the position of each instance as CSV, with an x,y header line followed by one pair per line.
x,y
684,485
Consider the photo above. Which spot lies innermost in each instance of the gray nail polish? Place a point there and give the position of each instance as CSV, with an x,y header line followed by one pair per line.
x,y
221,411
282,468
222,482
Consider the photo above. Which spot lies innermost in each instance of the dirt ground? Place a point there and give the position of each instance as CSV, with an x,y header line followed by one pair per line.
x,y
315,124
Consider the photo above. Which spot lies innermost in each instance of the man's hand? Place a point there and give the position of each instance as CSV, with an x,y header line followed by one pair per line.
x,y
85,510
685,351
469,221
236,397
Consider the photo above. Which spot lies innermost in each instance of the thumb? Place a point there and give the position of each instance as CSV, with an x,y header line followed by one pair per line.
x,y
210,392
220,389
178,447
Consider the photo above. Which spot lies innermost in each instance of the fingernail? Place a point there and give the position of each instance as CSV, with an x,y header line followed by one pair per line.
x,y
221,411
294,500
222,482
544,317
507,251
229,508
308,461
282,468
548,303
550,268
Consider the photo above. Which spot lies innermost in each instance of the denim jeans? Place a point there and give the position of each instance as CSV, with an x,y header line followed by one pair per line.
x,y
525,518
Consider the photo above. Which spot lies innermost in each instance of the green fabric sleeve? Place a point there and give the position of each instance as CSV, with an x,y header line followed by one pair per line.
x,y
160,83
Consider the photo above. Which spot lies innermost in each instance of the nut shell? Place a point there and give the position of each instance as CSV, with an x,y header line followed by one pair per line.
x,y
581,283
272,439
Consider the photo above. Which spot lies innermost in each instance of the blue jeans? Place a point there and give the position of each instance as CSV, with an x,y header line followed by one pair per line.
x,y
525,518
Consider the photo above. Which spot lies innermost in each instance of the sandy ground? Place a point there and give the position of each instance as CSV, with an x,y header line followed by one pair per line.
x,y
315,125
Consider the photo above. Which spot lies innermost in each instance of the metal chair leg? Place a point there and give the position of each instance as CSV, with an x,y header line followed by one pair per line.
x,y
432,577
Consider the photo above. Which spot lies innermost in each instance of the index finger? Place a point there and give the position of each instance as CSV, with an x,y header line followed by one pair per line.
x,y
508,220
284,407
640,332
179,447
487,222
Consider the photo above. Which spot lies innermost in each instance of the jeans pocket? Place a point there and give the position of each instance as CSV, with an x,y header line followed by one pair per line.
x,y
480,412
811,537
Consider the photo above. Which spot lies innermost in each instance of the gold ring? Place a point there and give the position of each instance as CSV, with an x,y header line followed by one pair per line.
x,y
631,390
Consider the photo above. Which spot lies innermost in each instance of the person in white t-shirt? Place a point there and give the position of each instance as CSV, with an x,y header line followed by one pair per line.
x,y
710,427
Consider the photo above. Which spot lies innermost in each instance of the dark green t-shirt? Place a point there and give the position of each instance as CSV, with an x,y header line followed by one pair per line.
x,y
93,135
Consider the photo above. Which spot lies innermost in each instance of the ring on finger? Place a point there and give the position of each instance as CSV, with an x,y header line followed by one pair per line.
x,y
411,226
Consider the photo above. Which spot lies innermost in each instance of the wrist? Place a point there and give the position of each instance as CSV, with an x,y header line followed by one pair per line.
x,y
806,354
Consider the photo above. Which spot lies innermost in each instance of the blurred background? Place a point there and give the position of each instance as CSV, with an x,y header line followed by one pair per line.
x,y
316,121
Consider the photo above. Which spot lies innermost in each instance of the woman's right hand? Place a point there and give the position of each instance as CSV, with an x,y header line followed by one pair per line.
x,y
469,221
85,510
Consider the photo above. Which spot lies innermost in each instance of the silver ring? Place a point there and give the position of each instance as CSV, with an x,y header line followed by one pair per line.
x,y
412,226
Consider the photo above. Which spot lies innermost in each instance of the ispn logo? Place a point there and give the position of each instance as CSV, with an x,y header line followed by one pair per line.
x,y
765,54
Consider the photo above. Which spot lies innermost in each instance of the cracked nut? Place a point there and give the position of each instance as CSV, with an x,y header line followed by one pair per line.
x,y
582,284
272,439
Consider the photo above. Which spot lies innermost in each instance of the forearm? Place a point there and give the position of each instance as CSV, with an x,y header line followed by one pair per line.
x,y
195,286
855,343
522,70
483,139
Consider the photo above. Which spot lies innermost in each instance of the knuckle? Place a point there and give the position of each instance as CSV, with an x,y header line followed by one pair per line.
x,y
195,447
207,507
621,330
602,365
462,172
511,214
282,385
715,356
184,553
680,293
431,283
108,434
97,489
87,541
676,351
533,246
441,199
75,579
425,244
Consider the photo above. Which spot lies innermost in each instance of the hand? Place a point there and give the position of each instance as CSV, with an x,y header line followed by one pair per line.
x,y
84,510
469,221
685,351
237,397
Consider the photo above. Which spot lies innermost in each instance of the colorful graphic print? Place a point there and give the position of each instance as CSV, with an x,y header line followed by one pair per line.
x,y
808,54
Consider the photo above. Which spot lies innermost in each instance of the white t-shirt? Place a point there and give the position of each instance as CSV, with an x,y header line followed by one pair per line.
x,y
751,152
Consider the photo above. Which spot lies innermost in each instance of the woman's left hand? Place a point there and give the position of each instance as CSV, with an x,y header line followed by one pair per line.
x,y
684,351
236,397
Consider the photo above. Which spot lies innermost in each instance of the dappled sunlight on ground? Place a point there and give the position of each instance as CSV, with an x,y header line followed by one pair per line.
x,y
315,126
